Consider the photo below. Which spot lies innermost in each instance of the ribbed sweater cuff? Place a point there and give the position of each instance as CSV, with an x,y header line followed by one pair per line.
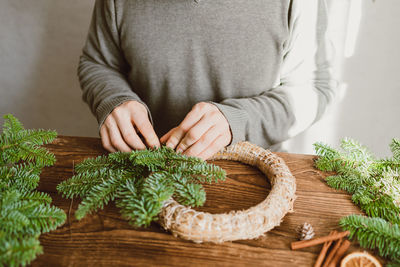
x,y
108,105
237,120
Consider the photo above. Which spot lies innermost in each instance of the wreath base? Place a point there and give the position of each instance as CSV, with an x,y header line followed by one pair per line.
x,y
199,227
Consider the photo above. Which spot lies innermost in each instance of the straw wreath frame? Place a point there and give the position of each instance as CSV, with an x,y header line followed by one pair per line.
x,y
199,227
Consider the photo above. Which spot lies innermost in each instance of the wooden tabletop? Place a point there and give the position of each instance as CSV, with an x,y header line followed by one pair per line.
x,y
105,239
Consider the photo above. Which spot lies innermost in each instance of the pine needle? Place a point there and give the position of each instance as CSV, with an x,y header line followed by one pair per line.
x,y
139,182
24,212
375,185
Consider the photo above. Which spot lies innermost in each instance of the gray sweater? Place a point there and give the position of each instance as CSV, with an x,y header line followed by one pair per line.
x,y
170,55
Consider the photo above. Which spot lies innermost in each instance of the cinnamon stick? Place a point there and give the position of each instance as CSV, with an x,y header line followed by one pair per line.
x,y
332,253
323,251
339,254
317,241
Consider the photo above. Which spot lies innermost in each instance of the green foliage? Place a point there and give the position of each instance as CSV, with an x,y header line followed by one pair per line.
x,y
374,233
375,185
17,144
395,147
374,182
23,176
98,196
139,182
24,212
16,251
350,184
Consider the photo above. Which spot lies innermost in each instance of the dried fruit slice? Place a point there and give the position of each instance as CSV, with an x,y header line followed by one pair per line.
x,y
360,259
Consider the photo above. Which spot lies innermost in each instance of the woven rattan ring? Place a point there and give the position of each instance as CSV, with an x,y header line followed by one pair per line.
x,y
200,227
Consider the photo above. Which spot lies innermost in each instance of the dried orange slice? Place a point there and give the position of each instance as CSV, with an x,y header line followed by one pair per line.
x,y
360,259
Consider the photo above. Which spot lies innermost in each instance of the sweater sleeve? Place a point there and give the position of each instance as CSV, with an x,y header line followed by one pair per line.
x,y
102,67
305,89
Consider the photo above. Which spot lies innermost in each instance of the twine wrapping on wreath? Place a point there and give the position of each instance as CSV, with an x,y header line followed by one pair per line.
x,y
199,227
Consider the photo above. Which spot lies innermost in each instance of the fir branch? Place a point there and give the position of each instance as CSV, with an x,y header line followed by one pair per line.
x,y
139,182
24,177
126,197
135,207
382,165
32,137
45,218
325,151
188,193
158,186
82,183
16,251
93,164
99,196
41,156
140,211
79,185
395,148
390,184
375,185
28,213
119,158
374,233
350,184
40,197
153,161
384,209
27,152
11,125
356,167
355,150
17,144
201,171
24,212
356,159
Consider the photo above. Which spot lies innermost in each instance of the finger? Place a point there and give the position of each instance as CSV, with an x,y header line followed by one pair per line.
x,y
129,133
190,119
196,132
175,137
205,141
146,129
215,146
105,139
165,137
116,138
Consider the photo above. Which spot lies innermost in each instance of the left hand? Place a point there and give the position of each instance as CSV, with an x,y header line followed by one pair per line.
x,y
203,132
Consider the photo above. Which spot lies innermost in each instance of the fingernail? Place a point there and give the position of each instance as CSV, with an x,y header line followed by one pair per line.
x,y
169,145
179,150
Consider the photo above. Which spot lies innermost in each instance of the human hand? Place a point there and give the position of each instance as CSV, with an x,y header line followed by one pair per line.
x,y
203,132
120,129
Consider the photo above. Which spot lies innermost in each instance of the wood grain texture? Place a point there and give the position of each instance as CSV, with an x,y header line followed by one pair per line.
x,y
105,239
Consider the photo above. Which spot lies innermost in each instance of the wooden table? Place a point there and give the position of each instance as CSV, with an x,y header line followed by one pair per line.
x,y
105,239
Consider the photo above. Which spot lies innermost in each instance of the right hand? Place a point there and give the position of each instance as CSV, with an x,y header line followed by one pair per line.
x,y
119,131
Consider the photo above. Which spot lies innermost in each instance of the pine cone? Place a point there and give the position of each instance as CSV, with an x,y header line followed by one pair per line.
x,y
306,231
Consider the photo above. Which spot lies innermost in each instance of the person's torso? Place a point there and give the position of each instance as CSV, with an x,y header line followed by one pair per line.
x,y
181,52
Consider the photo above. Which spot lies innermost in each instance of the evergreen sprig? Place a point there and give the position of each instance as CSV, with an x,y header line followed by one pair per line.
x,y
17,143
24,212
375,186
139,182
374,233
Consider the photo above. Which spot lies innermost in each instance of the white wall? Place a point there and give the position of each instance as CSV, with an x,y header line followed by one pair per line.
x,y
41,40
369,109
40,43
